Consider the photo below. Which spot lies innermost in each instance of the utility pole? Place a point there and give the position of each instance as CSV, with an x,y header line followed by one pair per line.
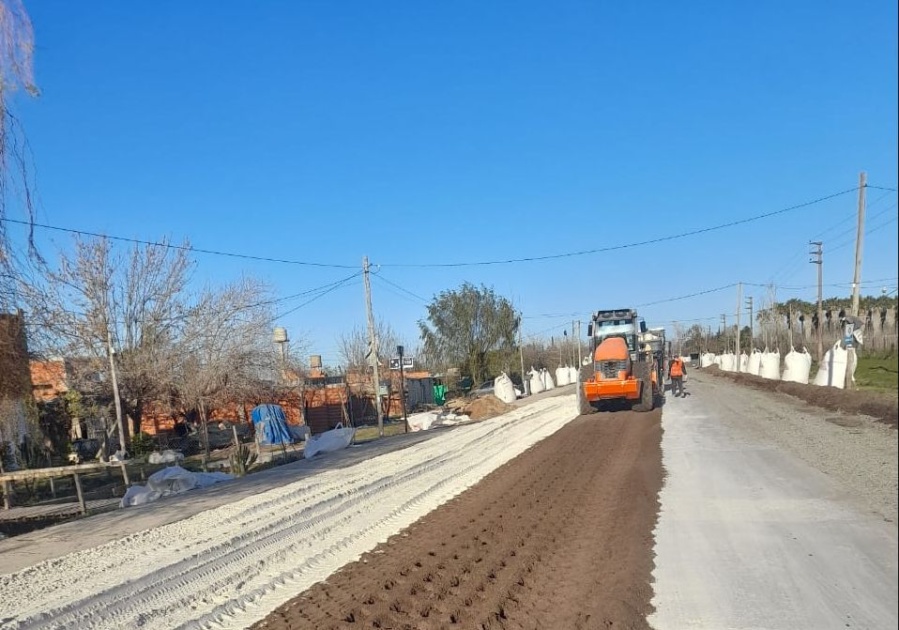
x,y
739,308
118,402
818,253
580,360
525,383
857,276
399,351
373,344
751,323
724,330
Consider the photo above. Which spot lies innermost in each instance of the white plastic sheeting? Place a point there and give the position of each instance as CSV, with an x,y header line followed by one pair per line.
x,y
754,365
548,383
336,439
167,456
832,371
797,366
562,377
537,385
504,389
169,481
431,419
770,367
707,360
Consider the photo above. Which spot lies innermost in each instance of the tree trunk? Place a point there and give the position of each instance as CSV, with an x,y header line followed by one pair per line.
x,y
136,413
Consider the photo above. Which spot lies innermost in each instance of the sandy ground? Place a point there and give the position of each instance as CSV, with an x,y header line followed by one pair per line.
x,y
558,538
229,565
774,514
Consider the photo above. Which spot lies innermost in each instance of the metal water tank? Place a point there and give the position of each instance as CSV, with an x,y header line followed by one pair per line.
x,y
279,335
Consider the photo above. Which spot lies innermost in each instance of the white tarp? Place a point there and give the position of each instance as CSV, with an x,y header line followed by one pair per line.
x,y
562,376
432,419
167,456
336,439
169,481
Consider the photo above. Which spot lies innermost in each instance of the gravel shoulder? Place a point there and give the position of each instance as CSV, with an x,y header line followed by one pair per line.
x,y
774,514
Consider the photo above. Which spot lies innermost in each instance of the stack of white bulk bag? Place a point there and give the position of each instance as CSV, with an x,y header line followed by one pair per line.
x,y
832,371
536,382
797,366
770,367
547,380
562,376
504,389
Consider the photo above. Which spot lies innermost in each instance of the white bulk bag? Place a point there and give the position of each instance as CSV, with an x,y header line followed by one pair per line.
x,y
548,383
754,366
504,389
707,360
572,375
728,361
797,366
832,371
562,376
744,362
770,367
536,382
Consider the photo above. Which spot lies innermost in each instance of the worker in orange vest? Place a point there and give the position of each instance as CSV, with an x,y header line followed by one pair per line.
x,y
676,372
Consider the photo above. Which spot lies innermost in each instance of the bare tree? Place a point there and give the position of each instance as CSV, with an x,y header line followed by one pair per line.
x,y
138,299
353,347
225,353
16,73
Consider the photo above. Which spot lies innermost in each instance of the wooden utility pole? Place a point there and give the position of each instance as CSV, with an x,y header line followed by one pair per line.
x,y
857,276
724,331
525,383
373,344
739,308
818,253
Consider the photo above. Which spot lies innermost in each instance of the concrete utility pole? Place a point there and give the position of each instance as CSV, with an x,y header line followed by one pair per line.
x,y
580,360
857,276
751,323
373,344
724,330
739,308
818,253
859,241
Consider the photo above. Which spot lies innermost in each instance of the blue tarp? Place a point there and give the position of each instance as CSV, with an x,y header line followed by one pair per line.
x,y
271,425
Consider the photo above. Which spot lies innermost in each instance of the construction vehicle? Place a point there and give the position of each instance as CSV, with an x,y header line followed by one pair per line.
x,y
626,363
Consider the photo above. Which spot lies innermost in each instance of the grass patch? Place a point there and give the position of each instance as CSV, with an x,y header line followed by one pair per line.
x,y
878,373
367,434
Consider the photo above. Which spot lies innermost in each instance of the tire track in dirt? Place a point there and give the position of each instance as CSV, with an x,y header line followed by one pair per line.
x,y
559,537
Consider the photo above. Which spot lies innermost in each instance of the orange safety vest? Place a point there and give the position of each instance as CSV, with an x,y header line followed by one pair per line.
x,y
677,368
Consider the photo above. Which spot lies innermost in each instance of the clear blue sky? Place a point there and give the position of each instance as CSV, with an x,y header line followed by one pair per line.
x,y
419,132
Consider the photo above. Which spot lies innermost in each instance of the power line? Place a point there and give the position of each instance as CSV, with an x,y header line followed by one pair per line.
x,y
684,297
610,248
165,245
882,188
333,287
403,289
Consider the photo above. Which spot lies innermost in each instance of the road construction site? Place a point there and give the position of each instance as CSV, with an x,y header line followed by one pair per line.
x,y
728,508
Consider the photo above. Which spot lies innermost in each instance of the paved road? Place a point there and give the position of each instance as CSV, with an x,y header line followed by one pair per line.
x,y
760,526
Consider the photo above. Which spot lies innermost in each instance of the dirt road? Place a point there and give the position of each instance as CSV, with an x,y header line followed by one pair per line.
x,y
560,537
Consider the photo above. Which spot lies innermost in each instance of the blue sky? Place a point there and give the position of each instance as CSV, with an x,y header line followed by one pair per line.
x,y
422,132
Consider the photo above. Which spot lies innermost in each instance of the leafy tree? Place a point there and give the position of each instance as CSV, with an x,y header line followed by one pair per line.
x,y
465,326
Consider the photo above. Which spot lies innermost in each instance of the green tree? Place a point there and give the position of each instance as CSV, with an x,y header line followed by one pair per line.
x,y
466,326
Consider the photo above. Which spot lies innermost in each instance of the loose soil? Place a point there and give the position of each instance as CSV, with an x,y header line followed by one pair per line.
x,y
559,537
881,406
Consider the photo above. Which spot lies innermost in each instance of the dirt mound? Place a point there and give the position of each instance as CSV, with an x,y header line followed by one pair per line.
x,y
559,537
882,406
482,408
